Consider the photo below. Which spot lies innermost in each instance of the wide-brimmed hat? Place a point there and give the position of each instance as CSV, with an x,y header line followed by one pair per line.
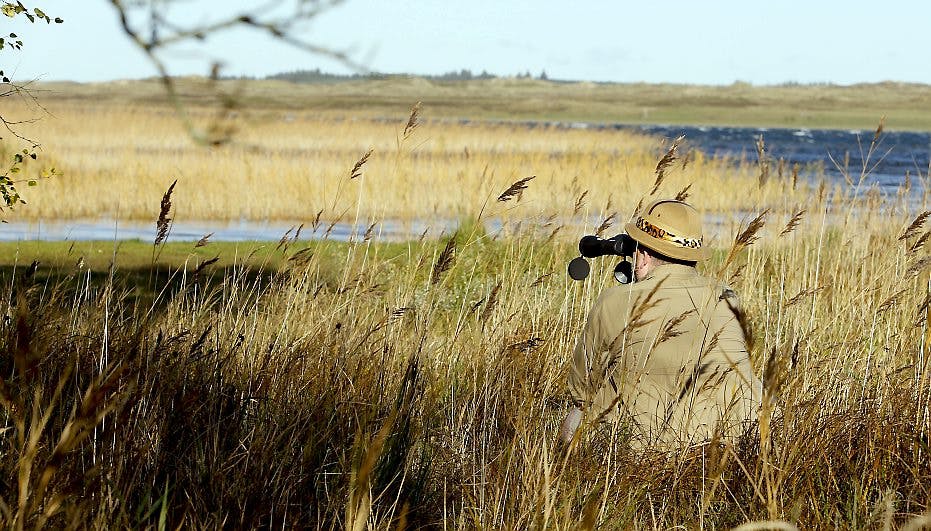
x,y
671,228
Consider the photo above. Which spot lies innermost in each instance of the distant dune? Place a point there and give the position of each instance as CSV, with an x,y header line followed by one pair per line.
x,y
906,106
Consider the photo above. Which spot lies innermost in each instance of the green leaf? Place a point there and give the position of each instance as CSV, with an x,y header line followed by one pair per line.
x,y
38,12
9,10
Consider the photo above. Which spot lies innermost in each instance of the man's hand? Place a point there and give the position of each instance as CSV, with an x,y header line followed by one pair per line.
x,y
570,424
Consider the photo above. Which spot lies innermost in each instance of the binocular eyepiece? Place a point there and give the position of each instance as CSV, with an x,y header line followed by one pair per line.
x,y
592,247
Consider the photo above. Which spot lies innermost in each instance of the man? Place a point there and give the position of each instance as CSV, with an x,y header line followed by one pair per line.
x,y
665,357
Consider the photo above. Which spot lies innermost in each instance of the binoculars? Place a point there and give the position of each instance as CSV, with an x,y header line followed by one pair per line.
x,y
592,247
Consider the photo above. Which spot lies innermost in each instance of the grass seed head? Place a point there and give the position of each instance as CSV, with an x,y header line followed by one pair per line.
x,y
203,241
608,221
579,203
683,193
163,224
515,189
444,261
664,163
356,170
413,120
793,222
915,225
920,242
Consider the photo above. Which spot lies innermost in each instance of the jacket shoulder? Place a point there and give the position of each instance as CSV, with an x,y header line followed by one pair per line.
x,y
723,290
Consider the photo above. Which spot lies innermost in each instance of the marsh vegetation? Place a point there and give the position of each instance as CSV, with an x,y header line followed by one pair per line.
x,y
420,384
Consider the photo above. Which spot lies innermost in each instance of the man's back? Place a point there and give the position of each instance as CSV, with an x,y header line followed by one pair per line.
x,y
668,354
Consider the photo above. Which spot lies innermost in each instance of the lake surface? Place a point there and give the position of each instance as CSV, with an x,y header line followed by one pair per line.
x,y
230,231
896,154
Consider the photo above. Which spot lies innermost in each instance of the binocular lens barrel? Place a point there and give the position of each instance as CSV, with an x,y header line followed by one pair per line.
x,y
593,247
620,245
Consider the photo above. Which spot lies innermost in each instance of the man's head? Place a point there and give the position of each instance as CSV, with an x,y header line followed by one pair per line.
x,y
667,231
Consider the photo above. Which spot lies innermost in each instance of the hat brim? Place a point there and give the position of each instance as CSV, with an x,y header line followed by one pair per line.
x,y
667,248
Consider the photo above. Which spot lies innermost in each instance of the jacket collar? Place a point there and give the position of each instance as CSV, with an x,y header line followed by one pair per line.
x,y
672,271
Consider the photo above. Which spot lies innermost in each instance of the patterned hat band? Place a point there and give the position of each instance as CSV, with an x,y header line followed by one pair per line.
x,y
661,234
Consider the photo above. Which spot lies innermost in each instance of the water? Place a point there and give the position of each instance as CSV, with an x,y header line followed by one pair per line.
x,y
896,154
83,230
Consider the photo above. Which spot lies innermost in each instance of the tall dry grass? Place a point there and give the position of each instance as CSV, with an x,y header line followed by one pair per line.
x,y
421,385
292,165
375,386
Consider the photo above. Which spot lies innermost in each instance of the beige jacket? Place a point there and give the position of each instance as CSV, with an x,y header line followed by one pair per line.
x,y
666,357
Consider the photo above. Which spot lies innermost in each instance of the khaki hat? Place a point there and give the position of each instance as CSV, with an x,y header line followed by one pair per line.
x,y
671,228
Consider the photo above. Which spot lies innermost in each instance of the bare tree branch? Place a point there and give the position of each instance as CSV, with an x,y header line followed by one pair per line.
x,y
164,33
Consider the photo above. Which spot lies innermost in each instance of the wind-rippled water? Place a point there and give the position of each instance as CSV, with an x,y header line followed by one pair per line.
x,y
895,154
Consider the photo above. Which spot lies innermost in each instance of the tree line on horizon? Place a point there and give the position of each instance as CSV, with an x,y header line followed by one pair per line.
x,y
318,76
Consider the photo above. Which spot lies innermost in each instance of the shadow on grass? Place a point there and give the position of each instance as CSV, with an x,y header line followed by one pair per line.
x,y
139,286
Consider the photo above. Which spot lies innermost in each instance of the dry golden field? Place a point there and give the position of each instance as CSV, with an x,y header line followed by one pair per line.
x,y
293,165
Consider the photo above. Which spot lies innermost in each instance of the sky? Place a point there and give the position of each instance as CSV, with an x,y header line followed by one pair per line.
x,y
678,41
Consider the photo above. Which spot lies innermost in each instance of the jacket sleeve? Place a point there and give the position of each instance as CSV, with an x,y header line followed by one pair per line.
x,y
587,357
734,349
727,324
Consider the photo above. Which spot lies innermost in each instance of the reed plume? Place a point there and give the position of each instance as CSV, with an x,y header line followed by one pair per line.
x,y
579,203
204,240
915,225
664,163
683,194
605,224
413,120
745,238
890,301
285,240
879,129
803,294
399,313
369,232
793,222
920,242
671,328
490,303
204,264
918,266
163,224
515,189
356,170
540,280
444,261
762,160
527,344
